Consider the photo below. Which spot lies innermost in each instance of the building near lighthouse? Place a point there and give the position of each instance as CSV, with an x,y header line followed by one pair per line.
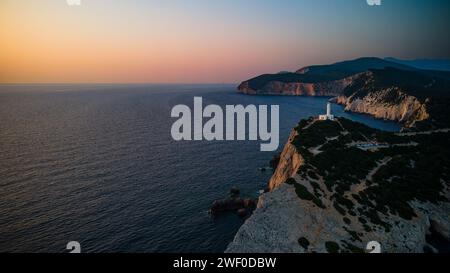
x,y
328,116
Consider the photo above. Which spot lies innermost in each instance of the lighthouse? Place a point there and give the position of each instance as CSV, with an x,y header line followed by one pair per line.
x,y
328,116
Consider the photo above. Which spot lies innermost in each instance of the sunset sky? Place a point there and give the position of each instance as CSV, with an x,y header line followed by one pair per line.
x,y
207,41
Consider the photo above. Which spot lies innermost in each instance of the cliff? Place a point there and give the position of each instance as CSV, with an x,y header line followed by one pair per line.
x,y
330,193
328,88
405,96
289,163
407,109
386,90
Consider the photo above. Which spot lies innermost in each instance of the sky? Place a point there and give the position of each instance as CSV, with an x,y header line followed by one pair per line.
x,y
207,41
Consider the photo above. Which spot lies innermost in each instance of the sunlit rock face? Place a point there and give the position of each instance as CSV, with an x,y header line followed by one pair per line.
x,y
330,88
289,163
407,109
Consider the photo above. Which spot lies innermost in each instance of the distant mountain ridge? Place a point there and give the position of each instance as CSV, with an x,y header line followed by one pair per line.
x,y
344,69
317,74
426,64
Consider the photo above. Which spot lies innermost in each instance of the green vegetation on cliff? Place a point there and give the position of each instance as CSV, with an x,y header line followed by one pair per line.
x,y
370,183
390,86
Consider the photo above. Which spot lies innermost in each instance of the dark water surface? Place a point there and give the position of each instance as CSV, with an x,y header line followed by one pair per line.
x,y
97,164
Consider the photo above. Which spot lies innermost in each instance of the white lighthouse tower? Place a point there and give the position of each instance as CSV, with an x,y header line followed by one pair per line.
x,y
328,116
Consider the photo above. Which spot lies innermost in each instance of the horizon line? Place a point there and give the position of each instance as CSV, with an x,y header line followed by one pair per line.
x,y
116,83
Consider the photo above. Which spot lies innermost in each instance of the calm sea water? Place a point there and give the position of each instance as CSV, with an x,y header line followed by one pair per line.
x,y
96,164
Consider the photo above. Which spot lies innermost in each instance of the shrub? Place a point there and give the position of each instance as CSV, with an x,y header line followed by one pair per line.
x,y
332,247
303,242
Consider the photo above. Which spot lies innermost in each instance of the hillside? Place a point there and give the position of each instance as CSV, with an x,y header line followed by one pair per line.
x,y
427,64
417,98
387,90
341,184
313,75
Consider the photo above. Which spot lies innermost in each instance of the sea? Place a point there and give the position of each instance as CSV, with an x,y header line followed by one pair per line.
x,y
97,164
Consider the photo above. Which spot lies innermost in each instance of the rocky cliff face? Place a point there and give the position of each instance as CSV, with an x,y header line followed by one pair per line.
x,y
318,204
406,109
369,86
282,220
289,163
359,93
329,88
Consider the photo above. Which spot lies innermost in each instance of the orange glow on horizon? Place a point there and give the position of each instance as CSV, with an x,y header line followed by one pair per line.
x,y
41,45
195,41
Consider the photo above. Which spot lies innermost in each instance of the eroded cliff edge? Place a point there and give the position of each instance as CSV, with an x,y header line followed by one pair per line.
x,y
277,87
331,194
290,162
390,94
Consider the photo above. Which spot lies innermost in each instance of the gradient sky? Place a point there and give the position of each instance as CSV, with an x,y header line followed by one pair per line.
x,y
207,41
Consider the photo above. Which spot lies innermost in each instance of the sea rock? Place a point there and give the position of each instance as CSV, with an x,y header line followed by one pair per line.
x,y
275,161
233,203
242,212
234,191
